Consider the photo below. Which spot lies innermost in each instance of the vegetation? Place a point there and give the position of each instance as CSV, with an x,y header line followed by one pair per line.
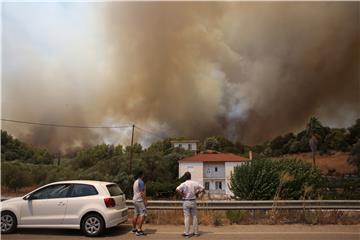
x,y
330,139
13,149
266,179
25,165
102,162
355,155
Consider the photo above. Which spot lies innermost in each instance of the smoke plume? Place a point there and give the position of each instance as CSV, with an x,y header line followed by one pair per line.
x,y
249,71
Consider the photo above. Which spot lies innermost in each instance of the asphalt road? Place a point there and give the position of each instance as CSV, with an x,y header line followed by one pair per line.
x,y
234,232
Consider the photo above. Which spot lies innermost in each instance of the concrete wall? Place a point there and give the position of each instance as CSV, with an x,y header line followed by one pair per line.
x,y
196,170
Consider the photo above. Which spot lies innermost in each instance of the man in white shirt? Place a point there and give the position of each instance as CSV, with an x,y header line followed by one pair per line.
x,y
189,190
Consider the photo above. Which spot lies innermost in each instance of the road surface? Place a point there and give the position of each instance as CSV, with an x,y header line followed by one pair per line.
x,y
233,232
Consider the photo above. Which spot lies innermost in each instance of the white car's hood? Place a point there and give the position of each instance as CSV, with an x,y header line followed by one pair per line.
x,y
10,200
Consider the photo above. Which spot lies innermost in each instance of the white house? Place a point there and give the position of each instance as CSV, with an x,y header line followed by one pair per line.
x,y
212,169
191,145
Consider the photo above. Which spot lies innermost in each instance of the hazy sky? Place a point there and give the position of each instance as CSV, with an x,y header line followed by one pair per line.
x,y
249,71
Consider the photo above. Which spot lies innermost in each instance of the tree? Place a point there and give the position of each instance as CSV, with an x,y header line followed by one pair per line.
x,y
15,176
354,158
260,179
337,140
354,132
211,143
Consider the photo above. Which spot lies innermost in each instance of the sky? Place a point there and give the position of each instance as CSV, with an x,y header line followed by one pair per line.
x,y
247,71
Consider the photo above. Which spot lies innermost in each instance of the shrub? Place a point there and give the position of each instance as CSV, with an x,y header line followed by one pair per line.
x,y
217,219
15,175
354,158
260,179
235,216
161,189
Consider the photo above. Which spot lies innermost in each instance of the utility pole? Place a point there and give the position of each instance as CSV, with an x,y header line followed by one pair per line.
x,y
131,149
59,159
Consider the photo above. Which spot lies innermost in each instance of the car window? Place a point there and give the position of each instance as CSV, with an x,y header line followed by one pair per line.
x,y
114,190
53,191
80,190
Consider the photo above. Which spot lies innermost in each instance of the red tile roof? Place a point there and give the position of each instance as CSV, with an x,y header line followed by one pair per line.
x,y
214,157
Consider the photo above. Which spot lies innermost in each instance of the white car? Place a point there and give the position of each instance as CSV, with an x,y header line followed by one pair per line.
x,y
91,206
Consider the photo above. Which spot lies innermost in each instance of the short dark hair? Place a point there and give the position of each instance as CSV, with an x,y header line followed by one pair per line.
x,y
187,176
139,174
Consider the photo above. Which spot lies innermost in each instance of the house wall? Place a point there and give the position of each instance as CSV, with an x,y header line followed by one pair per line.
x,y
185,145
209,170
195,168
229,168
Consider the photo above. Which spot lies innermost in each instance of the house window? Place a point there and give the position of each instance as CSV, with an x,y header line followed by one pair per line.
x,y
218,185
207,185
216,169
208,171
189,146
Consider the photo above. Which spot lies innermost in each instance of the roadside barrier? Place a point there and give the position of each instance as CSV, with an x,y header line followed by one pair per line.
x,y
257,205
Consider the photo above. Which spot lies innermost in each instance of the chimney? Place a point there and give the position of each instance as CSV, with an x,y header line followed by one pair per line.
x,y
250,155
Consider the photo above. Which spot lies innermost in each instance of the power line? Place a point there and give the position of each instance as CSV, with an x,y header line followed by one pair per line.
x,y
149,132
61,125
80,126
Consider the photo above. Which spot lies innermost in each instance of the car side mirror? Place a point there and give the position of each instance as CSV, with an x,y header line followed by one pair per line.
x,y
28,197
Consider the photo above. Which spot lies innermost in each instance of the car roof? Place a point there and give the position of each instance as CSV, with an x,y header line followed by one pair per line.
x,y
92,182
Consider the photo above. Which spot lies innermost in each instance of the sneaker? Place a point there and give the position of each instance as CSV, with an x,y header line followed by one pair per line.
x,y
196,234
133,230
186,235
140,233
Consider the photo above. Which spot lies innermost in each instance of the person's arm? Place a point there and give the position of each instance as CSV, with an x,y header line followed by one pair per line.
x,y
143,191
180,190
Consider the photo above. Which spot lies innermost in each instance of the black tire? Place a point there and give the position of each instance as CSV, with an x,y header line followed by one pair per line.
x,y
8,222
92,225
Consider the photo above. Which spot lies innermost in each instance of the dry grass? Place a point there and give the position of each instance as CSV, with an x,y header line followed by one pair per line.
x,y
336,161
216,218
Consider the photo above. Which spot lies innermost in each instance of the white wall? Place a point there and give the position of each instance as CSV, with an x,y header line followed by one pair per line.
x,y
185,146
209,170
195,168
229,168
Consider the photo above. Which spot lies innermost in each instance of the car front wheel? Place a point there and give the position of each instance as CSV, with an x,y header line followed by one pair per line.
x,y
93,225
8,222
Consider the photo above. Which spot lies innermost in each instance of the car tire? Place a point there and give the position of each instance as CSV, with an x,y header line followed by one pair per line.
x,y
92,225
8,222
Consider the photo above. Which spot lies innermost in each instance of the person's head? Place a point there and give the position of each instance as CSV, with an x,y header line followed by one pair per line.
x,y
140,174
187,176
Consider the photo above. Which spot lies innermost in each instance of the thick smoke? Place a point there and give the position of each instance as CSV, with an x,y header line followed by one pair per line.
x,y
249,71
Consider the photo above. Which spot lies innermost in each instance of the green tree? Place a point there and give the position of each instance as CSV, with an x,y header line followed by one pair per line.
x,y
260,179
354,131
354,158
15,176
211,143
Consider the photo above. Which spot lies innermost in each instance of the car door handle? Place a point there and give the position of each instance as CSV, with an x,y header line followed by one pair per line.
x,y
61,204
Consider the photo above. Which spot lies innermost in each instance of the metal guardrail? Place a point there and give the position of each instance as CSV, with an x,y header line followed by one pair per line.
x,y
253,205
257,205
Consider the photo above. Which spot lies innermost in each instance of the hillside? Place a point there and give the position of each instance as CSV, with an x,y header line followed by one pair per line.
x,y
328,162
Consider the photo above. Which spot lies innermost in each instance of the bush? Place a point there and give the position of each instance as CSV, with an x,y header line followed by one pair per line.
x,y
15,176
354,158
261,179
235,216
217,220
161,189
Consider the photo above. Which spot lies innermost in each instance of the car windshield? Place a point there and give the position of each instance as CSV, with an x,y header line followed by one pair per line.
x,y
114,190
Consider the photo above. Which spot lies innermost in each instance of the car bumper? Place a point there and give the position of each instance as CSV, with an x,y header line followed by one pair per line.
x,y
115,217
